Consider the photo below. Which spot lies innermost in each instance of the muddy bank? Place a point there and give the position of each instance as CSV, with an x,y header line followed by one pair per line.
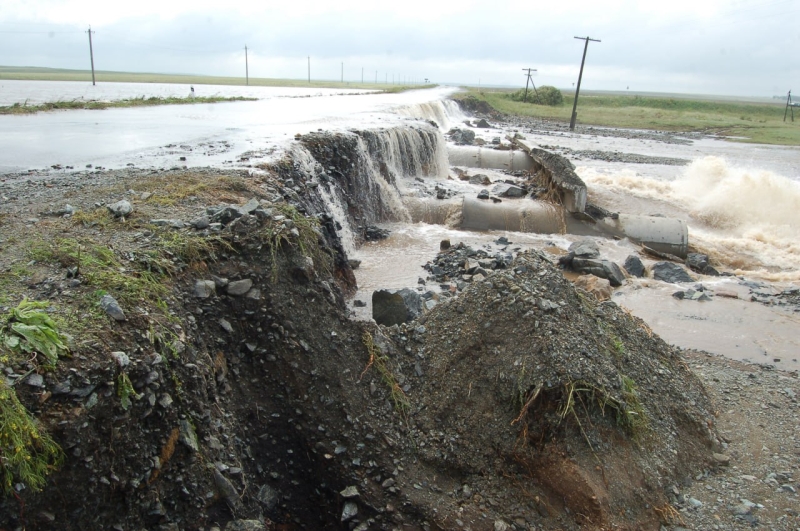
x,y
253,396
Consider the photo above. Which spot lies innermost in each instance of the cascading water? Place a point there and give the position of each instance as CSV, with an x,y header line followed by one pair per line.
x,y
445,113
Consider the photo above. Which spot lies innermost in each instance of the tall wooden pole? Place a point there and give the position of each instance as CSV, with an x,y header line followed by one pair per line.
x,y
578,89
91,53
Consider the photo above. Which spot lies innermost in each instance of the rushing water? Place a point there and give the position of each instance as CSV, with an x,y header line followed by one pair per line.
x,y
740,201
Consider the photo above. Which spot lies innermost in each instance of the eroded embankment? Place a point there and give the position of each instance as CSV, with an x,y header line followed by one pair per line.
x,y
521,403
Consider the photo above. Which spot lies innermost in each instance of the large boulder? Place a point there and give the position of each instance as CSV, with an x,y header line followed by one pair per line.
x,y
391,307
634,266
508,190
669,272
599,268
585,249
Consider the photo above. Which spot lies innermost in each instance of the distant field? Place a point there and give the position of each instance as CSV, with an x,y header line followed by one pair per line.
x,y
55,74
747,122
130,102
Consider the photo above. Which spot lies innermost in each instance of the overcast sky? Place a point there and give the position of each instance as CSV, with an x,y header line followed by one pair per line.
x,y
737,47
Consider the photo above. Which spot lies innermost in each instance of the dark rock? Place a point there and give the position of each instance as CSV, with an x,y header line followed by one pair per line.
x,y
483,124
599,268
671,273
634,266
359,304
444,245
110,305
697,262
239,287
203,289
508,190
483,194
479,178
373,233
390,307
462,136
268,497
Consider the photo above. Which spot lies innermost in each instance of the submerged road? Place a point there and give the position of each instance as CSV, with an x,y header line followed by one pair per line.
x,y
140,136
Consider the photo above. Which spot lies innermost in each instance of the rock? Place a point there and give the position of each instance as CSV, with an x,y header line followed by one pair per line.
x,y
245,525
350,492
462,136
671,273
634,266
444,245
697,262
483,124
203,289
110,305
374,234
585,249
200,223
500,525
353,263
390,307
599,268
250,206
349,511
599,287
721,459
483,194
121,358
479,178
508,190
359,304
35,380
239,287
226,325
188,436
546,305
173,223
268,497
226,489
121,209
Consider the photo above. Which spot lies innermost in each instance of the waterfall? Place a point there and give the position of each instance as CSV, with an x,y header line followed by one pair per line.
x,y
357,172
445,113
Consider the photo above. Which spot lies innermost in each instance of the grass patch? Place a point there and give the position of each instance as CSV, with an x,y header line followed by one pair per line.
x,y
381,364
24,108
278,233
27,453
742,121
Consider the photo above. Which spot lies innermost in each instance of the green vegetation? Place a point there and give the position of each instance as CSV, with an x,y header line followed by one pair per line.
x,y
99,105
27,453
28,332
125,391
276,233
544,95
381,363
741,121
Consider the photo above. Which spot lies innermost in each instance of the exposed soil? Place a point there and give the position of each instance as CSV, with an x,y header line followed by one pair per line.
x,y
521,403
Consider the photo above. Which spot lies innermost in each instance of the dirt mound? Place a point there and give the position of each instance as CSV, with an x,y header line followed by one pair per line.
x,y
571,408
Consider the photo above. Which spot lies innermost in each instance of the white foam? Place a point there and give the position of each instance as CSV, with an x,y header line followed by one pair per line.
x,y
747,218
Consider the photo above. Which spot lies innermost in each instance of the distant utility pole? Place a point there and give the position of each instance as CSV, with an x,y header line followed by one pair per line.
x,y
246,68
529,79
309,69
91,53
580,75
789,105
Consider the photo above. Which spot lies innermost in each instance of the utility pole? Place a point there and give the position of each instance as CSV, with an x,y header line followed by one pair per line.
x,y
789,105
580,75
91,53
246,68
529,79
309,69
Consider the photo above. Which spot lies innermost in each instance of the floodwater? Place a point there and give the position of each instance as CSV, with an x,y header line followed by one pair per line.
x,y
741,201
205,134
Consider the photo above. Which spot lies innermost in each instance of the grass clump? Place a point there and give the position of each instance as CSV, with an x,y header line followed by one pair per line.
x,y
24,108
277,233
125,391
27,453
381,363
544,95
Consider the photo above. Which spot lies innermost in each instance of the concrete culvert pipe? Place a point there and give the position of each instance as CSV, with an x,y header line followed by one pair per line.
x,y
522,215
666,235
486,158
